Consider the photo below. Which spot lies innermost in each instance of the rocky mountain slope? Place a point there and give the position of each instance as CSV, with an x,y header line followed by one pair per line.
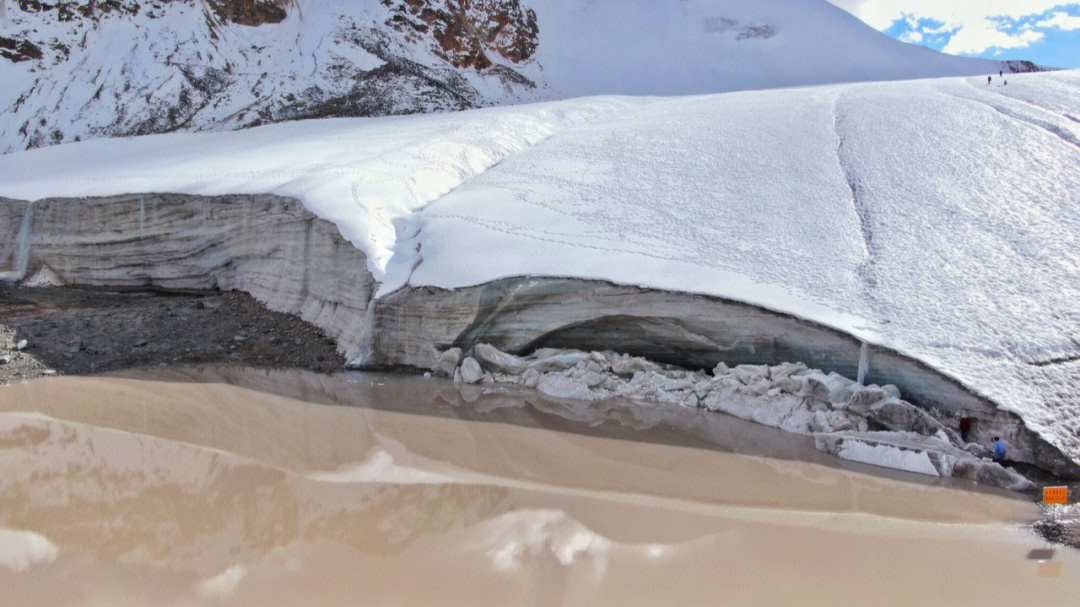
x,y
86,68
75,69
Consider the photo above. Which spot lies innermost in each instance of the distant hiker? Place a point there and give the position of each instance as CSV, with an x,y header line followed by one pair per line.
x,y
1001,73
965,426
999,449
988,80
1006,83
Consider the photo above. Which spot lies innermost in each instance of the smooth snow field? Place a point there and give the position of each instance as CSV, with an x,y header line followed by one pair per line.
x,y
937,217
187,489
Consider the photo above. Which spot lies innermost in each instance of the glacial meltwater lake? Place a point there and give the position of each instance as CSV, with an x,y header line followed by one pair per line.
x,y
233,486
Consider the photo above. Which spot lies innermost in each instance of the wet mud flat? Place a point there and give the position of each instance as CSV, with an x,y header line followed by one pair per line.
x,y
219,485
80,331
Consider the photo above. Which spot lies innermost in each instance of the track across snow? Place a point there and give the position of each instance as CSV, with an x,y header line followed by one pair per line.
x,y
940,218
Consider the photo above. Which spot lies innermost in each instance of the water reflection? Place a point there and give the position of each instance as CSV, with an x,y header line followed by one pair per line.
x,y
21,549
125,491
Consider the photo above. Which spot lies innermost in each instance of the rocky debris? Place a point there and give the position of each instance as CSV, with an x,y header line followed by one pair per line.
x,y
471,372
494,360
913,452
530,378
865,398
78,331
901,416
871,424
448,362
1061,524
559,386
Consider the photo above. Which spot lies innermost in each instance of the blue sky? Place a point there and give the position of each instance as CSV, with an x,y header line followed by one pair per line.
x,y
1044,31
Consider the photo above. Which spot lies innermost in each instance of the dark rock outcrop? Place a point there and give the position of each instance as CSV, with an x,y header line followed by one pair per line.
x,y
243,12
18,50
250,12
1015,66
468,32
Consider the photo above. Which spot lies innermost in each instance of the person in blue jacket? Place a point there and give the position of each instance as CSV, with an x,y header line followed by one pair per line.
x,y
1000,449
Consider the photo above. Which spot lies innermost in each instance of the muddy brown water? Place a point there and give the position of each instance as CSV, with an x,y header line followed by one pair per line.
x,y
234,486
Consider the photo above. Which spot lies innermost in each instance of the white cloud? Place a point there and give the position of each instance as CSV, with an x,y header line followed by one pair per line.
x,y
1062,21
976,25
883,13
913,37
979,37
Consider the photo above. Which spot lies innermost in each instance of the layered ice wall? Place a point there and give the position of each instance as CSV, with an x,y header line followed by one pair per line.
x,y
934,219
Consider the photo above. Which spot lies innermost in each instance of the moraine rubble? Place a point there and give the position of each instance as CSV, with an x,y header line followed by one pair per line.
x,y
869,424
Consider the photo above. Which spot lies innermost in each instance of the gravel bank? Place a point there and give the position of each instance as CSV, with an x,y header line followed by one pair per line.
x,y
79,331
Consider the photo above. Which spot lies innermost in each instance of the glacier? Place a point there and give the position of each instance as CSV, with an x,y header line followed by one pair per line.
x,y
935,218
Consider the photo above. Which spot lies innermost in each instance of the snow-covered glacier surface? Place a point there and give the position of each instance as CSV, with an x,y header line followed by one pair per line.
x,y
940,218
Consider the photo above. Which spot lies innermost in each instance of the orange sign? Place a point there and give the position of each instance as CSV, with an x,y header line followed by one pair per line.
x,y
1055,495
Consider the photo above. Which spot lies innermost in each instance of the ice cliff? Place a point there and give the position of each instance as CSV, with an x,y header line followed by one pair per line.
x,y
935,221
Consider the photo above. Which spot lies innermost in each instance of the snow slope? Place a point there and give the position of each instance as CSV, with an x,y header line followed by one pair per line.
x,y
678,47
76,69
939,218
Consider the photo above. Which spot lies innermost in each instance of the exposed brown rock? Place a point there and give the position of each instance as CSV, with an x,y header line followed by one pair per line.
x,y
243,12
75,10
18,50
467,33
250,12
